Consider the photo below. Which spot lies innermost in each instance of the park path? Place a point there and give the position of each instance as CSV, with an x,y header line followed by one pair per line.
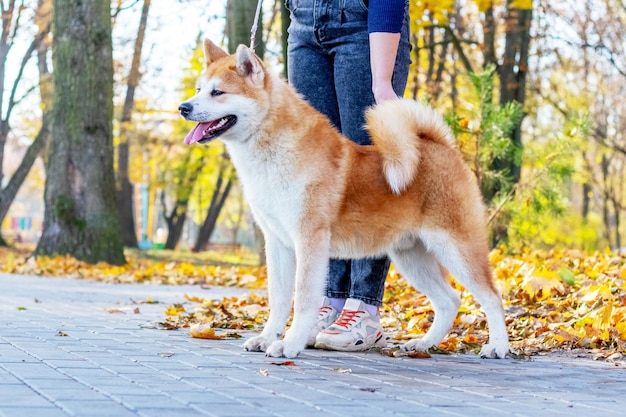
x,y
63,352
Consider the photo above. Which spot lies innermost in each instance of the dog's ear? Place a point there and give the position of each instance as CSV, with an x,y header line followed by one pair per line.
x,y
212,52
249,65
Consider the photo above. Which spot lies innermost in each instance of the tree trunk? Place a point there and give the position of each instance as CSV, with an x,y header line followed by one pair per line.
x,y
175,223
489,35
184,185
239,21
285,19
618,222
217,203
204,235
80,214
10,191
586,201
513,75
125,194
606,216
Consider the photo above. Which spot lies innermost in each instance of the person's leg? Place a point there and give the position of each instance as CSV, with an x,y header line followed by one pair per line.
x,y
310,68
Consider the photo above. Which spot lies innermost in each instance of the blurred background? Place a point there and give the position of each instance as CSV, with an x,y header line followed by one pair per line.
x,y
531,88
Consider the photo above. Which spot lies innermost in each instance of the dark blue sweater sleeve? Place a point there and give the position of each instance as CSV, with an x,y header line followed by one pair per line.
x,y
386,15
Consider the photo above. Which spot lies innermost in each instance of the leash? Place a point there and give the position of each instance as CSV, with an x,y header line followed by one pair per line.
x,y
255,24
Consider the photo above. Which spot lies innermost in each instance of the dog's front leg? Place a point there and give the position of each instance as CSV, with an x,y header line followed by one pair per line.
x,y
312,255
281,265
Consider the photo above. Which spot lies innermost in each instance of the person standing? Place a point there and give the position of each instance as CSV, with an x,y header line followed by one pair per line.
x,y
344,56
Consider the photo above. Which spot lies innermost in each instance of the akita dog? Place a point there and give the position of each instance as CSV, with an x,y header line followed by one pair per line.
x,y
315,195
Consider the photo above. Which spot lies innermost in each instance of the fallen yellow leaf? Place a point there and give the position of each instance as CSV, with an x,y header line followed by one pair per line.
x,y
201,331
174,310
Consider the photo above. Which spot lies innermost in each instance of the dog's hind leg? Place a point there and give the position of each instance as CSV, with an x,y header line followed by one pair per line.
x,y
468,262
281,266
421,269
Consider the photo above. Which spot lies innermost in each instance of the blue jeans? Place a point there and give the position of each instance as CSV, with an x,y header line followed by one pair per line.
x,y
329,64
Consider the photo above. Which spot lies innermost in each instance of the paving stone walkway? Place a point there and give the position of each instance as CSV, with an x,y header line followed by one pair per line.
x,y
63,353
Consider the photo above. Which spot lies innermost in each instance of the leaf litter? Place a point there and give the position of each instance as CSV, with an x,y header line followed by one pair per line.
x,y
555,301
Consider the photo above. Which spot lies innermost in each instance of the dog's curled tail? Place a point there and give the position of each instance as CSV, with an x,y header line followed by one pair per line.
x,y
396,127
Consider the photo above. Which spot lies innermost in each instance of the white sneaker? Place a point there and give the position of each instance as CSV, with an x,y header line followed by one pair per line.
x,y
326,316
355,330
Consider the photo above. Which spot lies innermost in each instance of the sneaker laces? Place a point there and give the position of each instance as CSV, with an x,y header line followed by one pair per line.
x,y
348,317
324,310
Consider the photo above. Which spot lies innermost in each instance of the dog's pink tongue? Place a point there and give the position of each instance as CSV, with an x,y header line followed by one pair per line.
x,y
196,133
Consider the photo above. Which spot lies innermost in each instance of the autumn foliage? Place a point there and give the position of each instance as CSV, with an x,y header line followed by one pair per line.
x,y
554,300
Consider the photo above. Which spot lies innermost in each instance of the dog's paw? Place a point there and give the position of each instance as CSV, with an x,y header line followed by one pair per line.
x,y
416,345
256,344
494,350
281,349
275,350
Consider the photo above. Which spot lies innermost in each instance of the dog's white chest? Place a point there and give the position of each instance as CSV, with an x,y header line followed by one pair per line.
x,y
274,193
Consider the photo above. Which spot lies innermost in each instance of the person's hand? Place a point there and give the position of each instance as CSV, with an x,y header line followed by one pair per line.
x,y
383,91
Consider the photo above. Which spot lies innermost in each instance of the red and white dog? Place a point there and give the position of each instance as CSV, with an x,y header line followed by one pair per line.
x,y
315,194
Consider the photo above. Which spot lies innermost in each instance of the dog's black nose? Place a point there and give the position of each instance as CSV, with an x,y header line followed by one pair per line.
x,y
185,109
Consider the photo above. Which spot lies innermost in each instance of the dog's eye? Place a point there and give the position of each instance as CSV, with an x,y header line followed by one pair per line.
x,y
216,93
197,90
